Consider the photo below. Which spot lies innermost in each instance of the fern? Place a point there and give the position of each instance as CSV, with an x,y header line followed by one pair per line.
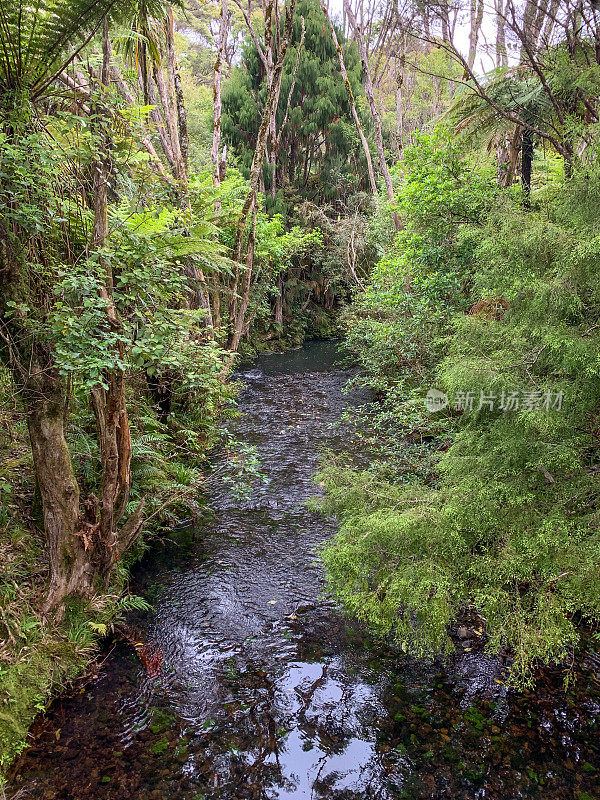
x,y
41,39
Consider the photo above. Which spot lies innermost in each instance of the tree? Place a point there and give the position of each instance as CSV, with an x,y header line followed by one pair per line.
x,y
108,396
71,326
51,38
350,93
316,149
358,33
217,105
237,311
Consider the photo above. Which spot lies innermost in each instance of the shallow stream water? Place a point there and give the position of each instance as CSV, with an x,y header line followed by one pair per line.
x,y
261,688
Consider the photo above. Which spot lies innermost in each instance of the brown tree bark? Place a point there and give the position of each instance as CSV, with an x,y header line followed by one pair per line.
x,y
240,317
69,567
278,312
239,305
108,402
45,401
350,94
368,85
508,150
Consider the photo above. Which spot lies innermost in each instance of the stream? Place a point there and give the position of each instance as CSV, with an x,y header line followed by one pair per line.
x,y
258,686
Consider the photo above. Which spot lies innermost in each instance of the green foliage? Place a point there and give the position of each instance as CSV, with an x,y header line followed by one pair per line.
x,y
506,520
318,112
41,40
418,283
53,295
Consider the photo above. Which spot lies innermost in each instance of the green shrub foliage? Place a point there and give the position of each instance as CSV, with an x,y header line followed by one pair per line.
x,y
505,520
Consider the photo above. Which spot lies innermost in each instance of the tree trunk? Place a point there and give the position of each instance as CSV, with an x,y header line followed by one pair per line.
x,y
236,312
217,105
368,85
176,90
145,140
114,440
165,140
216,306
350,94
526,162
550,23
501,53
69,567
114,437
272,160
476,18
508,149
45,402
445,21
399,115
278,315
167,101
239,320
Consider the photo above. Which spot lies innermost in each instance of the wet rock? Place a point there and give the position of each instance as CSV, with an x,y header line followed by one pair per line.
x,y
304,608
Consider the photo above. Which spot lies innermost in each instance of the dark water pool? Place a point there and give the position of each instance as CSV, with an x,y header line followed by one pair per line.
x,y
267,691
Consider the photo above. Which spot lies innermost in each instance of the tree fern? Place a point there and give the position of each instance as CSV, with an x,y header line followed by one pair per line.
x,y
39,41
512,90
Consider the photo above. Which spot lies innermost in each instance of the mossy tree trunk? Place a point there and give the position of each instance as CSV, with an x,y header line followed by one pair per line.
x,y
69,569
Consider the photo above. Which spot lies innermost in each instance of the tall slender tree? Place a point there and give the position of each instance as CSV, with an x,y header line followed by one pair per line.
x,y
375,115
351,101
239,303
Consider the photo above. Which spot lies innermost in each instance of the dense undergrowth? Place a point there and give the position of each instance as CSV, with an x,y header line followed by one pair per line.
x,y
129,281
491,502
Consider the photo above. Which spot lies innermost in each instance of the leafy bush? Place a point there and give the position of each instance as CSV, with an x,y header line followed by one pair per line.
x,y
508,523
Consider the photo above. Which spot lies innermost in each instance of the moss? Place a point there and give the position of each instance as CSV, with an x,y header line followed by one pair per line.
x,y
161,720
41,658
24,689
159,748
